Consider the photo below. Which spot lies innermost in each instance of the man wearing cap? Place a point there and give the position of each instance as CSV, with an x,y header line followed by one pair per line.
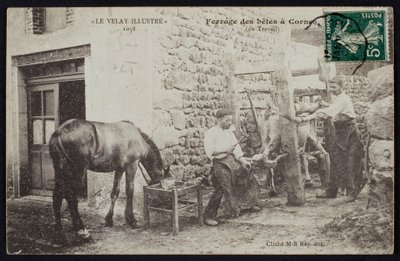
x,y
346,151
230,173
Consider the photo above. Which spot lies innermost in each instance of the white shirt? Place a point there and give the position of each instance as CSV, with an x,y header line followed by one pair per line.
x,y
217,139
341,105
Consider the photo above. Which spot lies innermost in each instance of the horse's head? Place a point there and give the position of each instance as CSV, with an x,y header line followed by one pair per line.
x,y
157,174
154,163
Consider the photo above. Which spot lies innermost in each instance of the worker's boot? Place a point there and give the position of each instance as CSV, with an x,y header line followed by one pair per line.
x,y
210,222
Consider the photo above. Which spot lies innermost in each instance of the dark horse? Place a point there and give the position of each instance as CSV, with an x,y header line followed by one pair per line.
x,y
78,145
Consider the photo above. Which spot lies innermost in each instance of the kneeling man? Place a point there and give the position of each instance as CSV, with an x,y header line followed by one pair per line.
x,y
230,173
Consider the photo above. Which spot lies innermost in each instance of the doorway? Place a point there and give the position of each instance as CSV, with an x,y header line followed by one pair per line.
x,y
50,105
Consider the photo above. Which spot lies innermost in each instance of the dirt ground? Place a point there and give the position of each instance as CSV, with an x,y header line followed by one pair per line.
x,y
276,229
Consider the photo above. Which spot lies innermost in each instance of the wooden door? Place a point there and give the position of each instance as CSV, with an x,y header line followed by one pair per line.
x,y
43,120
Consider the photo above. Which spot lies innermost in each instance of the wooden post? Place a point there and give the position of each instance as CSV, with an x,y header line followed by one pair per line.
x,y
325,72
200,205
289,139
232,94
146,213
175,213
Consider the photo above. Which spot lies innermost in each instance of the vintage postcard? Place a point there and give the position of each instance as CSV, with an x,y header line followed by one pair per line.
x,y
200,130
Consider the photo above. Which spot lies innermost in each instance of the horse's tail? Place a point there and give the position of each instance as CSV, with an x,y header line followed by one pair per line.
x,y
57,148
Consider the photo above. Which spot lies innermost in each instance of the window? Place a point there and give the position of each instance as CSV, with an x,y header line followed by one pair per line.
x,y
55,19
40,20
42,108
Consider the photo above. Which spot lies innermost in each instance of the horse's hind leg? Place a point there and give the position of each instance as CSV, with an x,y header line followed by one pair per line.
x,y
57,202
71,196
114,195
130,172
58,196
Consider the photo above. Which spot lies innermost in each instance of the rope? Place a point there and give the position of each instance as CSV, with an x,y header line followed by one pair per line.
x,y
144,173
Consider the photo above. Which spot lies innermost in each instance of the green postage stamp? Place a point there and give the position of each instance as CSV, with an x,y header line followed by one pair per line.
x,y
355,36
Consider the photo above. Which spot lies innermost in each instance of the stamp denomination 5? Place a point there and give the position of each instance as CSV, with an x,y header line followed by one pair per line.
x,y
356,36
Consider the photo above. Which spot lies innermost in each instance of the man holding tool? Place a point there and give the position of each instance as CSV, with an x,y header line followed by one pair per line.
x,y
230,173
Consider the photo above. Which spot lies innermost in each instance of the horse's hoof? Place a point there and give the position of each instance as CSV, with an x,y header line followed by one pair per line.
x,y
308,184
59,241
133,224
235,214
109,223
273,193
80,241
59,238
87,239
83,236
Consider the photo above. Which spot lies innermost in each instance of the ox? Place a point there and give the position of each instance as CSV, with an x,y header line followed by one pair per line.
x,y
307,135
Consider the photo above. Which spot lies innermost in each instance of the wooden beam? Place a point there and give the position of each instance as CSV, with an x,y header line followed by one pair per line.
x,y
252,68
308,92
56,78
289,139
262,88
249,108
305,72
246,68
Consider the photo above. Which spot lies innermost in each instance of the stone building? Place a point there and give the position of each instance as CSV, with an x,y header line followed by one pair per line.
x,y
165,69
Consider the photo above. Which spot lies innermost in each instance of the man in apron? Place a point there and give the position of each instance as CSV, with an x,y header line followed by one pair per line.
x,y
346,150
230,173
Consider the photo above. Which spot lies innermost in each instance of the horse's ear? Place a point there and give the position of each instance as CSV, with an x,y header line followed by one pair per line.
x,y
166,171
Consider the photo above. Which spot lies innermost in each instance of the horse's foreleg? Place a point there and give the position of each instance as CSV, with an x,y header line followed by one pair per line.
x,y
114,195
325,165
271,182
304,161
130,172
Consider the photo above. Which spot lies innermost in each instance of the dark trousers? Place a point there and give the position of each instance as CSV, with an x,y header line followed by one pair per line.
x,y
346,161
223,186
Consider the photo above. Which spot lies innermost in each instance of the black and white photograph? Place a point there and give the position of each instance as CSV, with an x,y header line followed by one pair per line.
x,y
200,130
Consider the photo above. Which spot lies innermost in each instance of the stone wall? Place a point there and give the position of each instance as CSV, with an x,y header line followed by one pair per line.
x,y
195,78
374,105
380,124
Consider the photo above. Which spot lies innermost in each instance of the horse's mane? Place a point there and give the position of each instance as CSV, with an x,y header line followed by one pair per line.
x,y
149,141
153,146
